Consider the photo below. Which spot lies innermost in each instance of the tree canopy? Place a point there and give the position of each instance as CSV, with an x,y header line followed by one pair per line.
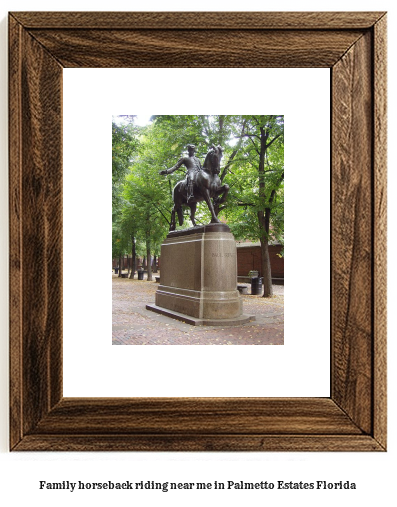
x,y
252,165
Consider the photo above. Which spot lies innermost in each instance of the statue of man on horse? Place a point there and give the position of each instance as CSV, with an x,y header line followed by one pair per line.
x,y
202,183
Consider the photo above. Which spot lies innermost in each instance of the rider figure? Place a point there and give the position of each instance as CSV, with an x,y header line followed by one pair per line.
x,y
193,166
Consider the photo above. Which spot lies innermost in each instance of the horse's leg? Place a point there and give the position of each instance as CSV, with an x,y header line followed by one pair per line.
x,y
203,186
207,198
178,199
220,197
221,194
179,210
176,210
173,224
193,207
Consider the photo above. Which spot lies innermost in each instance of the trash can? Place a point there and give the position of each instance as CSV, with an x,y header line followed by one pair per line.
x,y
116,271
140,274
256,286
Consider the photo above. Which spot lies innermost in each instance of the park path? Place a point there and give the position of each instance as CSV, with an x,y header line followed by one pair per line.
x,y
134,325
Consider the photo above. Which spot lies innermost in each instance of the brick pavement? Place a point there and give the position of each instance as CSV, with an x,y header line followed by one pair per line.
x,y
134,325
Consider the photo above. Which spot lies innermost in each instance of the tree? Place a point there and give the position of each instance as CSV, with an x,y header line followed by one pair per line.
x,y
264,151
119,243
129,230
147,199
124,145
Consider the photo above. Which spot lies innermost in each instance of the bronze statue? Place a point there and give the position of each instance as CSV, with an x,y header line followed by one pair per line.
x,y
201,184
193,166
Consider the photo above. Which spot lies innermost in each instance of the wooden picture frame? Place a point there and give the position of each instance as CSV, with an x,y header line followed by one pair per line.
x,y
353,46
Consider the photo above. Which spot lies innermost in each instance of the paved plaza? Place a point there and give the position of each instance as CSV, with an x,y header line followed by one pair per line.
x,y
134,325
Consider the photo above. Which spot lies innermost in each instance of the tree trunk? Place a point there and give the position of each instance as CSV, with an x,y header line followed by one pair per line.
x,y
120,265
266,269
149,266
264,219
154,264
133,268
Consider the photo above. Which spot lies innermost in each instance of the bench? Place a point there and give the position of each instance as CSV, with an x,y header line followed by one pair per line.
x,y
243,289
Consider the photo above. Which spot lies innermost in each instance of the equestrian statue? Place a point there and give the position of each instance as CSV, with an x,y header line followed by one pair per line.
x,y
202,183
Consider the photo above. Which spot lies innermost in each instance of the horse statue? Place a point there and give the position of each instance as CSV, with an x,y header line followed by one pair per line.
x,y
206,186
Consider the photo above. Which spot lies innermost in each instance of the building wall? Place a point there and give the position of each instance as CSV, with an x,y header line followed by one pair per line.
x,y
249,259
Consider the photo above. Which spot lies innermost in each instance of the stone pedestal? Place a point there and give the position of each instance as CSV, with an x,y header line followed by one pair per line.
x,y
198,282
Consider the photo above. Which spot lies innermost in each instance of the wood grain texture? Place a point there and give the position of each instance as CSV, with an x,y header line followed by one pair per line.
x,y
36,230
41,230
173,416
199,443
201,20
380,229
196,48
15,233
351,231
354,46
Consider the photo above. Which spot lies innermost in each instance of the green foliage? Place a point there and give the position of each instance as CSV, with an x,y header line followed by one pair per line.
x,y
124,145
257,186
252,165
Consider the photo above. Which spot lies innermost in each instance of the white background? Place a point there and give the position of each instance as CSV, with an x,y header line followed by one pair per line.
x,y
206,371
20,473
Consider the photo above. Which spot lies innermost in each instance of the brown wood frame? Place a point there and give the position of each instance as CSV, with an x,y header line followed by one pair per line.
x,y
353,46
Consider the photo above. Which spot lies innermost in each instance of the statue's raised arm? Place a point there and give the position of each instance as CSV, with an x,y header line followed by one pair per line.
x,y
174,168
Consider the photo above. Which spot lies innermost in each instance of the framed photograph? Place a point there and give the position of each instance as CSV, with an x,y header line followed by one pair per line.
x,y
353,46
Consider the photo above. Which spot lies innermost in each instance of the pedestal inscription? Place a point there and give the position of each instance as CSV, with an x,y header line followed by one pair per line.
x,y
199,277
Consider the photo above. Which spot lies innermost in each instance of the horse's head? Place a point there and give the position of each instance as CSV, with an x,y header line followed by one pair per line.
x,y
212,161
